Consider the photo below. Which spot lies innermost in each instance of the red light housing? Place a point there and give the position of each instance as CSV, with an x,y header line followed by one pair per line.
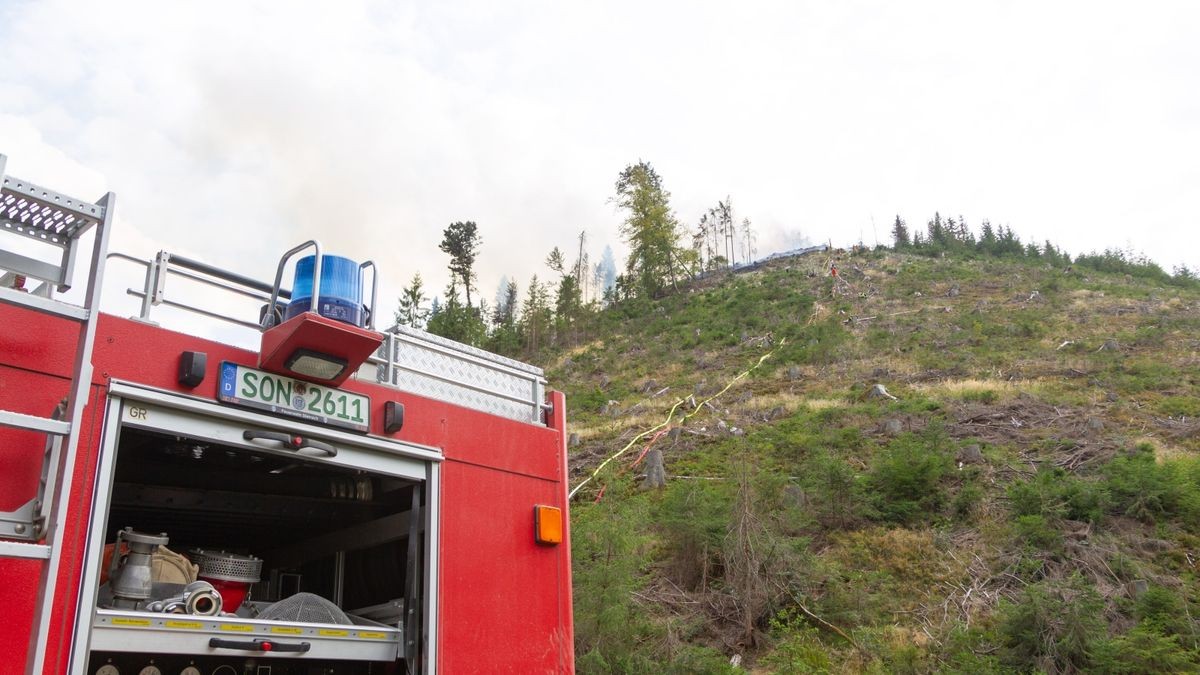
x,y
314,348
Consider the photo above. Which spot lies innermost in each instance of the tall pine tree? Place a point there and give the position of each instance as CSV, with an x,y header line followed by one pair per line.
x,y
461,241
650,229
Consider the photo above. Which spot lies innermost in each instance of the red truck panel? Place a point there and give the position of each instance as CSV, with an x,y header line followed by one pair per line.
x,y
504,601
508,585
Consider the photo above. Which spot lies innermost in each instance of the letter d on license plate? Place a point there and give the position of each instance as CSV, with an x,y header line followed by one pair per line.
x,y
294,398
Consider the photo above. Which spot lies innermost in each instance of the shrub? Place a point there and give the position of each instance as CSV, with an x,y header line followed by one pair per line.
x,y
693,659
607,559
1053,493
818,343
905,479
965,651
1142,488
967,499
833,490
799,648
693,517
1162,608
1053,626
1142,650
1179,406
1034,531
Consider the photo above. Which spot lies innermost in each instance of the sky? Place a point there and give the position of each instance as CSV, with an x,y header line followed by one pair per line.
x,y
231,131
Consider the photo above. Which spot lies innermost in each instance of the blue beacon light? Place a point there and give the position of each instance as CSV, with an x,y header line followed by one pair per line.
x,y
341,290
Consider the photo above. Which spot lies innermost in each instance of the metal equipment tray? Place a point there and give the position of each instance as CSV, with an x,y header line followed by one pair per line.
x,y
153,632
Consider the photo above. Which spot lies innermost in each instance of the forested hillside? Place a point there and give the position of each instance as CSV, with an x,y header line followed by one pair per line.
x,y
949,459
960,453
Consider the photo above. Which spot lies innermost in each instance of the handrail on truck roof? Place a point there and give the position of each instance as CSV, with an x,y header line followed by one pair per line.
x,y
409,359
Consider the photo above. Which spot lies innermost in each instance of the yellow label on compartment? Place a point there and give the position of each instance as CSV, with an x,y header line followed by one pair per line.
x,y
329,632
123,621
287,630
237,627
190,625
372,636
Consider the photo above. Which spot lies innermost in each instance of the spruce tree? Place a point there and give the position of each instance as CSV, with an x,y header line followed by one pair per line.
x,y
411,310
900,240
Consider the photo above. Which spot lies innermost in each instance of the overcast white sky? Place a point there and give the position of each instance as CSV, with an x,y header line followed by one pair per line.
x,y
233,130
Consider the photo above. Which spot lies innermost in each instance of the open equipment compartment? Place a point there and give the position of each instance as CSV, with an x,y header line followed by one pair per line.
x,y
349,518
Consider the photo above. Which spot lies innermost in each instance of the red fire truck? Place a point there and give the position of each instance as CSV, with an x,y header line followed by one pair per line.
x,y
338,500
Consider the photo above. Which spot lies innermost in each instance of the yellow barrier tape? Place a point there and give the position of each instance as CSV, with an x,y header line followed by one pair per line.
x,y
671,415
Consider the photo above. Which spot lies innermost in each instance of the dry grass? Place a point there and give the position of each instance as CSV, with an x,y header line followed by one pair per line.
x,y
823,403
967,388
791,402
576,351
588,432
1164,451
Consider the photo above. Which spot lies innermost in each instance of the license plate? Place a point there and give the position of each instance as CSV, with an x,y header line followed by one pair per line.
x,y
303,400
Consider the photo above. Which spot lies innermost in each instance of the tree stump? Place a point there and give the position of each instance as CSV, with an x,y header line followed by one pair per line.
x,y
971,454
656,473
880,391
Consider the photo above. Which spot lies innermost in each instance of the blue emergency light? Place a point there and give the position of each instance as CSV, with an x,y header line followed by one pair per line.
x,y
341,290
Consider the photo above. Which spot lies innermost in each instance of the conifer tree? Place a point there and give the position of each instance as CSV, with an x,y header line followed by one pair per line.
x,y
456,320
987,238
650,228
461,241
412,311
535,316
900,239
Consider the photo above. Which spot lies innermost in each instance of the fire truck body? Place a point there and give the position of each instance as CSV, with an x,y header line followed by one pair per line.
x,y
423,530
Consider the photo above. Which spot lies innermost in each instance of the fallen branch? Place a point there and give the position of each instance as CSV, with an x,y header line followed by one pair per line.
x,y
821,622
764,340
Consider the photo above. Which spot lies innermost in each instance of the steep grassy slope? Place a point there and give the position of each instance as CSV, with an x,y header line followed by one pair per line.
x,y
1029,500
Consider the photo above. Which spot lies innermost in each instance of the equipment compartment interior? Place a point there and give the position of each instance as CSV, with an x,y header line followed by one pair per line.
x,y
331,531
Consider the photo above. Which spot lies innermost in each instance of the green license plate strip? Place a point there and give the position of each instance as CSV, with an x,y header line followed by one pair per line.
x,y
258,389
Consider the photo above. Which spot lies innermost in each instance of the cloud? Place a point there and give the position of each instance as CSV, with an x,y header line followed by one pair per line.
x,y
232,130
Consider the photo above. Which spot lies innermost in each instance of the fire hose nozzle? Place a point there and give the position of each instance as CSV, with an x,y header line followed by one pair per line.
x,y
198,598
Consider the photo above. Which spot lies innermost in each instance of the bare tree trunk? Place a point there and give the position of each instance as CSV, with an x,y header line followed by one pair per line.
x,y
744,561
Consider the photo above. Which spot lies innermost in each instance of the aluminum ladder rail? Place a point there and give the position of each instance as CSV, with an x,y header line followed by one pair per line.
x,y
53,219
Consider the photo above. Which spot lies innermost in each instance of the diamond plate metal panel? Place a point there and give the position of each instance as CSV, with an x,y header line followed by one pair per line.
x,y
432,366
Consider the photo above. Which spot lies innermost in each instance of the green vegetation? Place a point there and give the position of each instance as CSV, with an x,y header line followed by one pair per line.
x,y
834,532
1024,499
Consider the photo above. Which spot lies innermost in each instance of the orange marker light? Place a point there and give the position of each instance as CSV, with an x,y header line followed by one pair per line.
x,y
547,524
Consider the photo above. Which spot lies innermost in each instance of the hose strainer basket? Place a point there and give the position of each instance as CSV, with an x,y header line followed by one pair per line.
x,y
227,566
231,574
305,608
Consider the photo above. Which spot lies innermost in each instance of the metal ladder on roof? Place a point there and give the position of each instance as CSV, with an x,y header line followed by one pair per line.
x,y
30,213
